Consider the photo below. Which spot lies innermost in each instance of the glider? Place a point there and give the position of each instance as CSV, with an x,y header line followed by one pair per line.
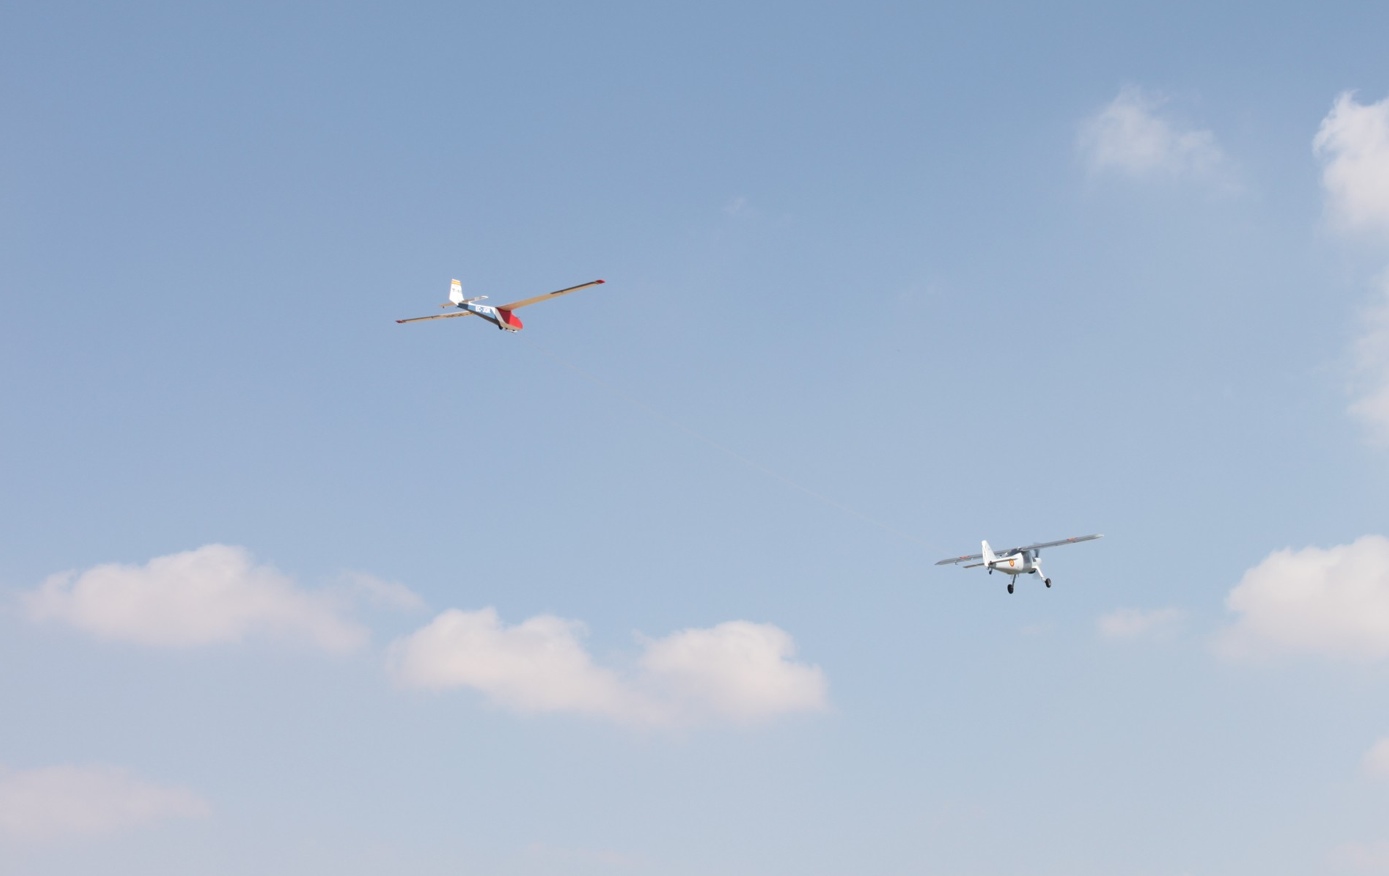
x,y
500,316
1016,561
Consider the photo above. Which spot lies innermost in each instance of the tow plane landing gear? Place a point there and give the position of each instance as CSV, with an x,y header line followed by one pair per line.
x,y
1010,586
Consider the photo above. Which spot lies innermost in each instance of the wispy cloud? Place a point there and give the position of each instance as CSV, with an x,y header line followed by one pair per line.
x,y
1370,363
737,671
1137,623
215,594
1331,602
1370,857
1133,136
1376,761
382,593
58,802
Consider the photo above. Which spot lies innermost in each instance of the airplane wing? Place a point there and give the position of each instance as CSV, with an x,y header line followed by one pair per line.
x,y
1030,547
526,302
440,316
1049,544
951,560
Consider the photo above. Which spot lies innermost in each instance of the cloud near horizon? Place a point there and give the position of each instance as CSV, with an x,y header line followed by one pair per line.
x,y
1331,602
212,595
1132,137
59,802
737,671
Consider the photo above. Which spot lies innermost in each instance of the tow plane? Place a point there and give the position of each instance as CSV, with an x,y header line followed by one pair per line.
x,y
501,316
1026,560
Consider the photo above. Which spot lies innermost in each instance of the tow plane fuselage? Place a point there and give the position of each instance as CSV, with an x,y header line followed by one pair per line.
x,y
1020,563
1014,561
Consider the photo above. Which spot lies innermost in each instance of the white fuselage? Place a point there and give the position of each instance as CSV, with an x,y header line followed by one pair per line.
x,y
502,319
1023,563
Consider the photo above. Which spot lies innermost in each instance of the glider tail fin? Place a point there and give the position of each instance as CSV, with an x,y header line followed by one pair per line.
x,y
456,292
989,556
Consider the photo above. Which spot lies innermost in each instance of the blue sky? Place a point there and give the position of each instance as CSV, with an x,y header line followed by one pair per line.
x,y
290,588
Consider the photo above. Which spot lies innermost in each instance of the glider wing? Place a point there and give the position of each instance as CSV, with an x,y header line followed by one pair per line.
x,y
526,302
440,316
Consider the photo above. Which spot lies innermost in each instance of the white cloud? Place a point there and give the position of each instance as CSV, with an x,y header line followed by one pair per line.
x,y
1131,136
211,595
1376,760
68,801
538,665
1134,623
1353,144
736,671
1332,602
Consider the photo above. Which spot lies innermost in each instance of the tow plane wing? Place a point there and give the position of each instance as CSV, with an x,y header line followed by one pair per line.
x,y
1046,544
1017,550
953,560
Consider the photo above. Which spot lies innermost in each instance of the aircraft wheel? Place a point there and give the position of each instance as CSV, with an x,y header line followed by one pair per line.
x,y
1048,582
1010,586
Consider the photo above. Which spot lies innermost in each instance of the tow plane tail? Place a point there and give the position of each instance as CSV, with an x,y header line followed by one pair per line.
x,y
456,293
989,557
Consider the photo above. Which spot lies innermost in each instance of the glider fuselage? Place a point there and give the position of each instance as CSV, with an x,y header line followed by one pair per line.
x,y
502,316
502,319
